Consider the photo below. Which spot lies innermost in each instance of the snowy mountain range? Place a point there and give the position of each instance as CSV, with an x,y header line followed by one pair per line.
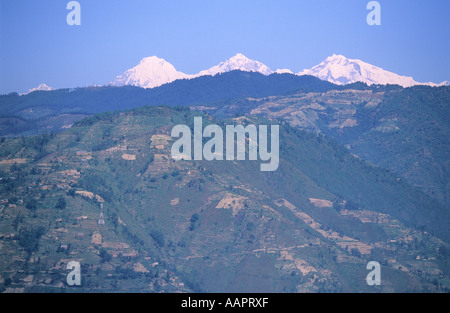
x,y
340,70
153,72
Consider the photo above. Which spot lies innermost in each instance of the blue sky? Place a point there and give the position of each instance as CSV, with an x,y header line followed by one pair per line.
x,y
37,46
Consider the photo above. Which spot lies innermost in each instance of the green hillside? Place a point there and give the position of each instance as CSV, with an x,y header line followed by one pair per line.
x,y
404,130
220,226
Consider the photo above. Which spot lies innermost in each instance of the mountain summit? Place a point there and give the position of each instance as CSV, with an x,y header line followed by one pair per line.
x,y
41,87
238,62
149,73
341,71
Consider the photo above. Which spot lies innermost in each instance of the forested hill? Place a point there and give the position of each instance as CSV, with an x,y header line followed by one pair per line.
x,y
29,114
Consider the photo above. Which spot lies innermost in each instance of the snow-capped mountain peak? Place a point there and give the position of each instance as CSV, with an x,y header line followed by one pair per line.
x,y
284,71
237,62
336,57
41,87
444,83
340,70
149,73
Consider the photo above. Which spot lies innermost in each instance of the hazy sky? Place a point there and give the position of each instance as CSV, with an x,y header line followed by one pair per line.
x,y
37,46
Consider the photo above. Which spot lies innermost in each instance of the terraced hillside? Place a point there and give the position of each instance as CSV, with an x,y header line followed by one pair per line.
x,y
404,130
220,226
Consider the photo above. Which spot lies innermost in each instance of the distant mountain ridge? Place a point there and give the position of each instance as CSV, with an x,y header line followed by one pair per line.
x,y
238,62
41,87
153,72
340,70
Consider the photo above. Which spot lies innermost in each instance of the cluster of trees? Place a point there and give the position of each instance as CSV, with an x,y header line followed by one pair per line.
x,y
194,221
29,238
158,237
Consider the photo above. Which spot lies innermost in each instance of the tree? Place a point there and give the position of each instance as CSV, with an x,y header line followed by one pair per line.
x,y
158,236
29,239
32,205
61,204
104,255
194,219
355,252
